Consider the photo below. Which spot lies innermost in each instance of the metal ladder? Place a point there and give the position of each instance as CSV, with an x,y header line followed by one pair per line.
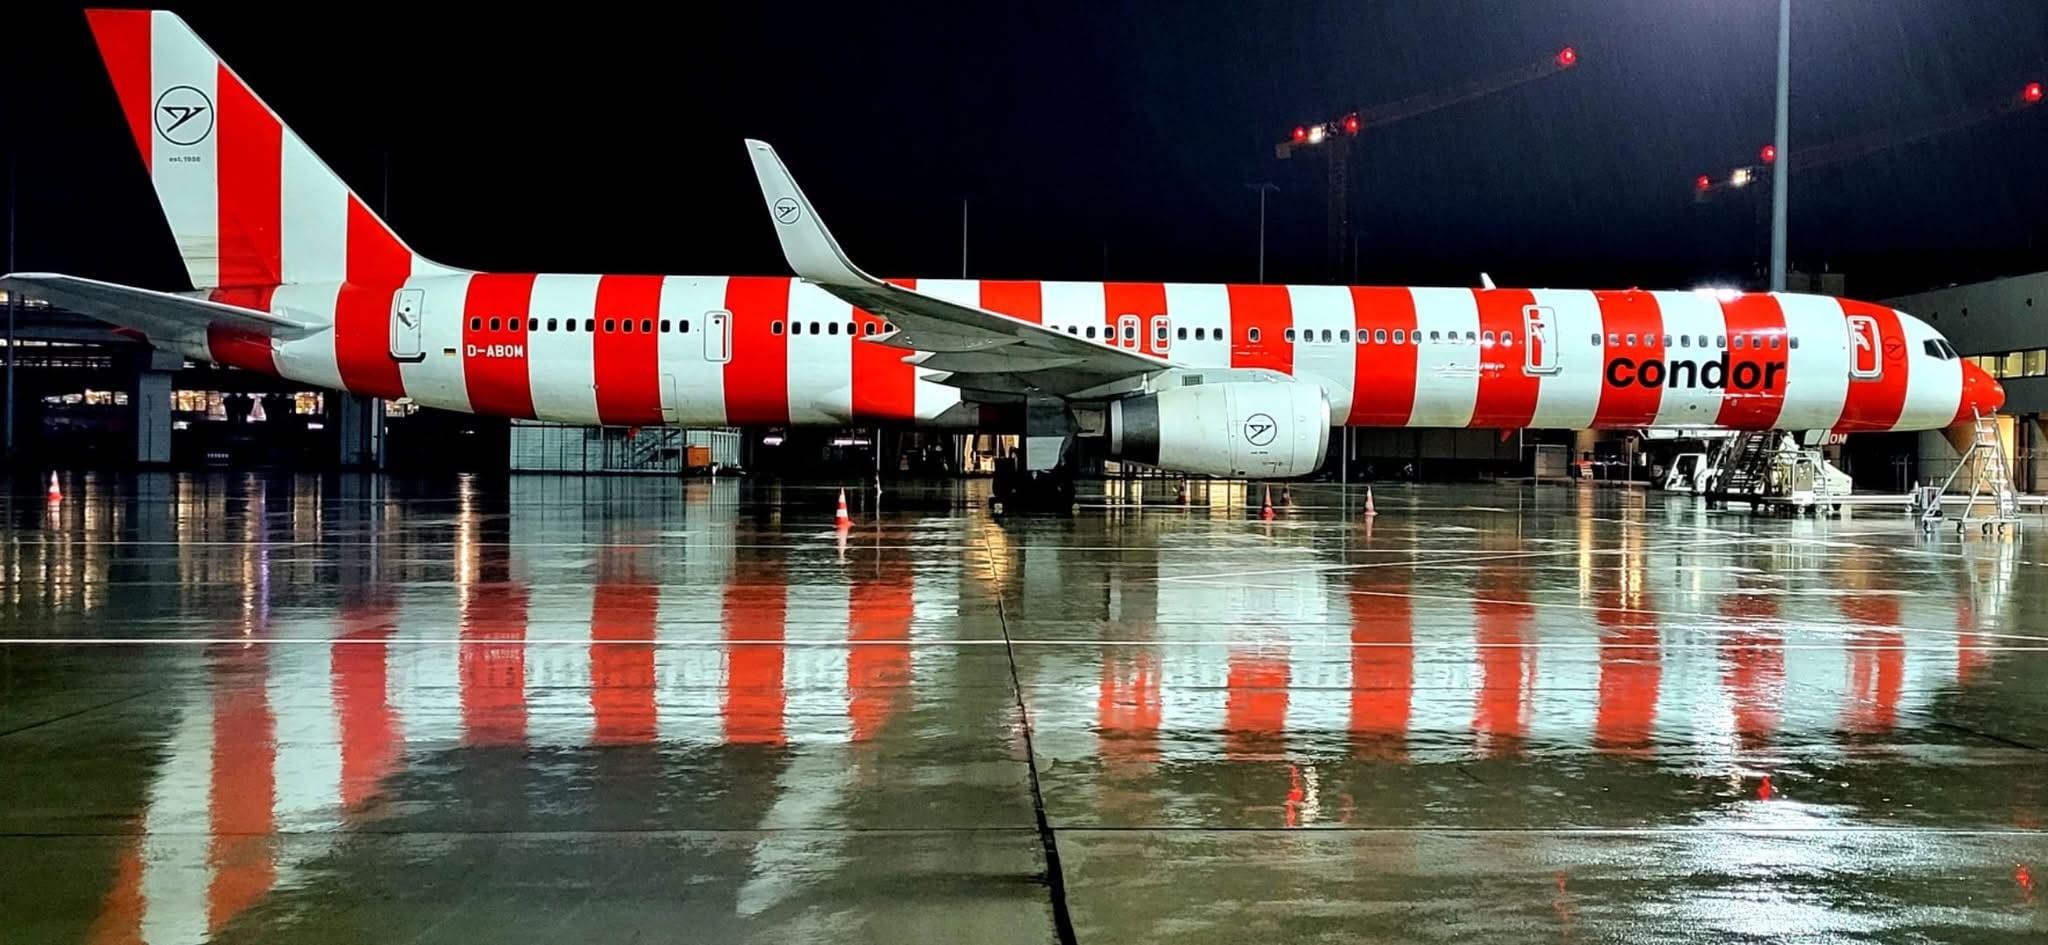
x,y
1990,480
1742,468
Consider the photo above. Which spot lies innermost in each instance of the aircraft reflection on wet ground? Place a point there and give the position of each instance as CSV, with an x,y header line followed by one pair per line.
x,y
554,708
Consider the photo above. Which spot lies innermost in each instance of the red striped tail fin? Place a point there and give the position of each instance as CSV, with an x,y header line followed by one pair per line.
x,y
249,204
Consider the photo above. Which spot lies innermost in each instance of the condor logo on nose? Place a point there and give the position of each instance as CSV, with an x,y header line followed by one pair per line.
x,y
1713,375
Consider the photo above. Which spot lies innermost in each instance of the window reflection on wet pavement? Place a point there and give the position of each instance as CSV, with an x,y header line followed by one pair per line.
x,y
239,708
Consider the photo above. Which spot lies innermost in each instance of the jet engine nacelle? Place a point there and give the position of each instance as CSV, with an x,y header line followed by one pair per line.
x,y
1249,430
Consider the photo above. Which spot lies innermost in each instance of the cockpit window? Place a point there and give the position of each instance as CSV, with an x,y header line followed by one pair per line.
x,y
1940,349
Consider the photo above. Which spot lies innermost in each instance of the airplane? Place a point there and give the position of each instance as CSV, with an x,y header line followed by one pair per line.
x,y
293,275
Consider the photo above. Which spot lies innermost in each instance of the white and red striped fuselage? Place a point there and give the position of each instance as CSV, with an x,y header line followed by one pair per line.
x,y
776,351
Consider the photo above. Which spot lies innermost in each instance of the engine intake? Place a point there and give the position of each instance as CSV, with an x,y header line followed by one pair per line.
x,y
1250,429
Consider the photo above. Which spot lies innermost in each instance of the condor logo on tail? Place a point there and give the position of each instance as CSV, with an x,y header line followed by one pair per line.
x,y
1712,375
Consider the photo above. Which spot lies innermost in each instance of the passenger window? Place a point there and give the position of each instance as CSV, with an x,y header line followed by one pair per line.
x,y
1738,342
832,328
868,330
1326,336
1091,331
1400,336
1614,341
590,324
1433,336
1344,336
1486,339
1703,341
667,326
1596,339
628,327
1471,338
1130,332
1251,335
1720,341
1685,341
514,325
1379,336
611,325
1667,341
1794,342
775,328
814,328
1775,342
494,324
569,324
1288,334
647,326
1629,339
1507,339
553,325
850,329
476,324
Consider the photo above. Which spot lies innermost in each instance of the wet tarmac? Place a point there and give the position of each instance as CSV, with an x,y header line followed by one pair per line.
x,y
247,709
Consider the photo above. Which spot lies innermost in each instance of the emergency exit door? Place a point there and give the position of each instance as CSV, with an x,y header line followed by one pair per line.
x,y
1539,340
407,311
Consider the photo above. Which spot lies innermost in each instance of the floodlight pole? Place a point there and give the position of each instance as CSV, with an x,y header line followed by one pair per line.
x,y
1780,172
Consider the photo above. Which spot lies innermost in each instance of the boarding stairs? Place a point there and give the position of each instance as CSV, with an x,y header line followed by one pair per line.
x,y
1991,487
1772,468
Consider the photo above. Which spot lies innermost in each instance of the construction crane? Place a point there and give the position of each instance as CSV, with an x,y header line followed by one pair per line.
x,y
1332,137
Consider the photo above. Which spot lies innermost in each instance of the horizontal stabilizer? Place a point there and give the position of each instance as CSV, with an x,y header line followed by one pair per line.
x,y
159,315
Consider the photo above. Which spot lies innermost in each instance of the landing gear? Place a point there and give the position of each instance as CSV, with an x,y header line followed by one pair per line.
x,y
1021,490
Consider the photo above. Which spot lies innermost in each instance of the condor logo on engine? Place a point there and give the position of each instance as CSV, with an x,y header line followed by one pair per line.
x,y
1712,375
1259,429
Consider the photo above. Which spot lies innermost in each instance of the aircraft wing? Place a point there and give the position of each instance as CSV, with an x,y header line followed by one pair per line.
x,y
976,349
155,314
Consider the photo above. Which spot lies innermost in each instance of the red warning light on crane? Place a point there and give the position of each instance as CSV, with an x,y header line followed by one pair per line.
x,y
1351,123
1300,133
1567,57
2032,93
1703,183
1769,153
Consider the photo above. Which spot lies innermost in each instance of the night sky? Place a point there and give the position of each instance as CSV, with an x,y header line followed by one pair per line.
x,y
1095,139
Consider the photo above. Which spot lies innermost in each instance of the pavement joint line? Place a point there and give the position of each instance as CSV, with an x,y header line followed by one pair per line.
x,y
1715,829
367,830
1062,918
32,726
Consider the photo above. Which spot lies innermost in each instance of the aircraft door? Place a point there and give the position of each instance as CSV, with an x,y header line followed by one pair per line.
x,y
1127,331
1866,346
671,402
1161,328
408,309
718,337
1539,340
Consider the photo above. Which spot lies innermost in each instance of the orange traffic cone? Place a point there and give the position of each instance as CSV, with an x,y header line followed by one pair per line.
x,y
840,519
1266,512
55,494
1368,503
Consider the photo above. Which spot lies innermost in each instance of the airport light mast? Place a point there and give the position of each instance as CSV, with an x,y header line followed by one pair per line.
x,y
1332,137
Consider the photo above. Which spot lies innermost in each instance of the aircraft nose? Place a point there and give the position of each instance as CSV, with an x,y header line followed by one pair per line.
x,y
1982,394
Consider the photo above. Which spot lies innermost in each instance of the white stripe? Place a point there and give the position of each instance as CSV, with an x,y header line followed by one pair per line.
x,y
694,385
1692,321
1817,372
1446,373
176,871
314,211
299,682
820,373
1321,309
1568,399
558,675
1933,386
439,379
1080,304
814,678
563,372
186,175
1206,307
311,359
425,678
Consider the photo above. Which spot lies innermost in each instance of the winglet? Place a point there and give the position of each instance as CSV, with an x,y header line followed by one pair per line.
x,y
1486,281
806,244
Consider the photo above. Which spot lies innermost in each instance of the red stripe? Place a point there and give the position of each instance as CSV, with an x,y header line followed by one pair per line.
x,y
1622,314
622,673
239,347
362,341
628,363
756,608
250,186
1507,394
360,666
1752,315
123,38
374,254
1383,391
1268,309
1022,300
884,387
1143,299
878,672
757,376
495,363
242,794
492,664
1875,403
235,346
